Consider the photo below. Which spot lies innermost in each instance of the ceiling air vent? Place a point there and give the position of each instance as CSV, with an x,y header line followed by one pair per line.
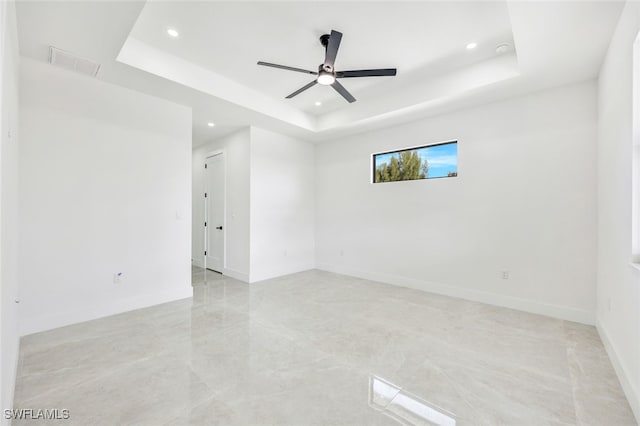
x,y
72,62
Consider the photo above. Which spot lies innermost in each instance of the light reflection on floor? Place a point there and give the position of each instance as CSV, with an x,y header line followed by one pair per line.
x,y
401,405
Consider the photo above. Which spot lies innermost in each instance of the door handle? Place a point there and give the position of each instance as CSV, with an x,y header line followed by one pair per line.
x,y
219,227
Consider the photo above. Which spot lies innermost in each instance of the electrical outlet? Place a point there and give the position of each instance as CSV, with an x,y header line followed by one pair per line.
x,y
505,275
117,277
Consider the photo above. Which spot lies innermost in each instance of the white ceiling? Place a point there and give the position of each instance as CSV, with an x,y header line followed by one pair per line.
x,y
229,38
212,65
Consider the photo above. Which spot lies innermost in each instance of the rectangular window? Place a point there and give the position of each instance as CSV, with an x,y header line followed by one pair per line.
x,y
423,162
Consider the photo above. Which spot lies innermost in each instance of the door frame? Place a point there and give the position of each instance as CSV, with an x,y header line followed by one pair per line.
x,y
208,155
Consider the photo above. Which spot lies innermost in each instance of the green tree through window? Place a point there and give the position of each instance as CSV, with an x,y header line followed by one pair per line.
x,y
408,166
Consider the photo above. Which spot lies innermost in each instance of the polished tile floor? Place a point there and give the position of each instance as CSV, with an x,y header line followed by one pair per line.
x,y
320,348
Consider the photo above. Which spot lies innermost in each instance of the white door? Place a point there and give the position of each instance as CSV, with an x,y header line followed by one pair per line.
x,y
214,222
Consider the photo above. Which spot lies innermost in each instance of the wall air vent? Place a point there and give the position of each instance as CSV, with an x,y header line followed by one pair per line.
x,y
72,62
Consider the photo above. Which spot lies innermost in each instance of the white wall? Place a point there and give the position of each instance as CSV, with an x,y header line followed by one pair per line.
x,y
618,295
524,202
282,205
236,148
8,203
105,187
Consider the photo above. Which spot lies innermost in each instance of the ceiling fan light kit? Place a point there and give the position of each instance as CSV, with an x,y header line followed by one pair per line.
x,y
326,78
326,75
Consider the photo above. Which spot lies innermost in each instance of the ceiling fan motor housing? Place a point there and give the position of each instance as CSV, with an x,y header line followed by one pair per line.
x,y
326,76
325,69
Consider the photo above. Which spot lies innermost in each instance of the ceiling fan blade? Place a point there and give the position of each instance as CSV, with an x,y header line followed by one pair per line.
x,y
284,67
383,72
332,48
302,89
344,92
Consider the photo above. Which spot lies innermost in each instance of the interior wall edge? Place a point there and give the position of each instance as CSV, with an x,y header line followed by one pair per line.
x,y
9,216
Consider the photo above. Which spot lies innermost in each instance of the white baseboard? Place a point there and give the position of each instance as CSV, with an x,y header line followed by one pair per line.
x,y
282,273
630,391
236,274
554,311
61,319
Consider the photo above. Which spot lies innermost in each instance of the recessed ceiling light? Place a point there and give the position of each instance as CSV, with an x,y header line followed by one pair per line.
x,y
173,32
472,45
211,124
318,103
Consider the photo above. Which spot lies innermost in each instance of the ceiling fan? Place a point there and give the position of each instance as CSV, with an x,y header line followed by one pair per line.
x,y
327,75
